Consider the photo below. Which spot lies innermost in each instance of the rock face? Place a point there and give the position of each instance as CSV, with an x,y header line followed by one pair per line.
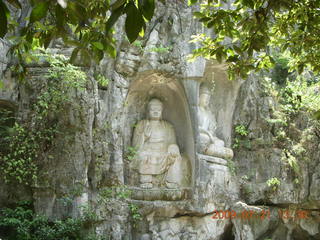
x,y
90,161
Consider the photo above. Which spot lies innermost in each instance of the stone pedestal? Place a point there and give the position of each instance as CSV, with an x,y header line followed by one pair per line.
x,y
213,169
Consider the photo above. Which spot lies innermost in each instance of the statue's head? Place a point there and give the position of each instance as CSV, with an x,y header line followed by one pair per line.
x,y
155,107
204,96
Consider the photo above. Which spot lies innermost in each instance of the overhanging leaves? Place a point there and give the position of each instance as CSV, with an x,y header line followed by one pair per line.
x,y
134,22
4,14
113,18
147,7
39,11
250,28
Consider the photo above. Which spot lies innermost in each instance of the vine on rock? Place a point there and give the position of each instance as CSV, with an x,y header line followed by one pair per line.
x,y
27,141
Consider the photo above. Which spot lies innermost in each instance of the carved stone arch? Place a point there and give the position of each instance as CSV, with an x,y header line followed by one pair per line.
x,y
223,99
154,84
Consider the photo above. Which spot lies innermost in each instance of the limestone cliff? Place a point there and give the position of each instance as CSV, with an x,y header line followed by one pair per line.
x,y
88,161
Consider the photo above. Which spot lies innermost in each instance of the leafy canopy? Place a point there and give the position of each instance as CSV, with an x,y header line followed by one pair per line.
x,y
246,33
86,25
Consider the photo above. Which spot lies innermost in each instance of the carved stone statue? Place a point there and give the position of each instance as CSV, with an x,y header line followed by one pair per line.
x,y
158,157
209,143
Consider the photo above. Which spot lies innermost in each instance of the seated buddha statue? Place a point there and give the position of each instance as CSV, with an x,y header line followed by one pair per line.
x,y
158,155
210,144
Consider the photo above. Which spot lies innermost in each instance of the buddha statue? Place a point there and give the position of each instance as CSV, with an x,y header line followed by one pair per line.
x,y
158,158
210,144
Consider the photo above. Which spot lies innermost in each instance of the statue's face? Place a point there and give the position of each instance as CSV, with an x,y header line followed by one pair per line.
x,y
155,111
204,99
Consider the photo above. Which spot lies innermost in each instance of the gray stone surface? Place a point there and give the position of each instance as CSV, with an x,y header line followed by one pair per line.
x,y
90,157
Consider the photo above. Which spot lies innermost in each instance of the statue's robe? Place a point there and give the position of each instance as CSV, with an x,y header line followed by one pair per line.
x,y
212,146
152,151
208,123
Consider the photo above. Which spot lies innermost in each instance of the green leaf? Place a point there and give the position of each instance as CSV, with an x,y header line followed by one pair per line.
x,y
98,45
237,49
134,22
77,11
60,18
192,2
85,57
300,68
219,55
198,14
205,19
113,18
316,115
98,55
15,3
4,14
111,51
74,55
1,84
147,8
47,39
39,11
248,3
210,24
117,4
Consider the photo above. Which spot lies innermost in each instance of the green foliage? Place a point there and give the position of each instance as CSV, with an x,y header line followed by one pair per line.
x,y
121,192
294,130
23,224
86,25
160,49
88,214
241,130
60,69
63,78
273,183
291,160
247,189
7,120
136,216
245,178
77,190
18,163
134,21
245,32
131,153
102,80
138,44
26,142
240,139
280,71
300,95
4,14
106,194
232,167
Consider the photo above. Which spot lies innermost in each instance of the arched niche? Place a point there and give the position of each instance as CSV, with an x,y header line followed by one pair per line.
x,y
223,98
176,111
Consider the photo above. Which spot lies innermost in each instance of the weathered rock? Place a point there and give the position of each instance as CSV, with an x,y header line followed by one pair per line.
x,y
91,155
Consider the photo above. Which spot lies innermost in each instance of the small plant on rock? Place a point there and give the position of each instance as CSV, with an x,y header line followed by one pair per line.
x,y
241,134
136,216
273,183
